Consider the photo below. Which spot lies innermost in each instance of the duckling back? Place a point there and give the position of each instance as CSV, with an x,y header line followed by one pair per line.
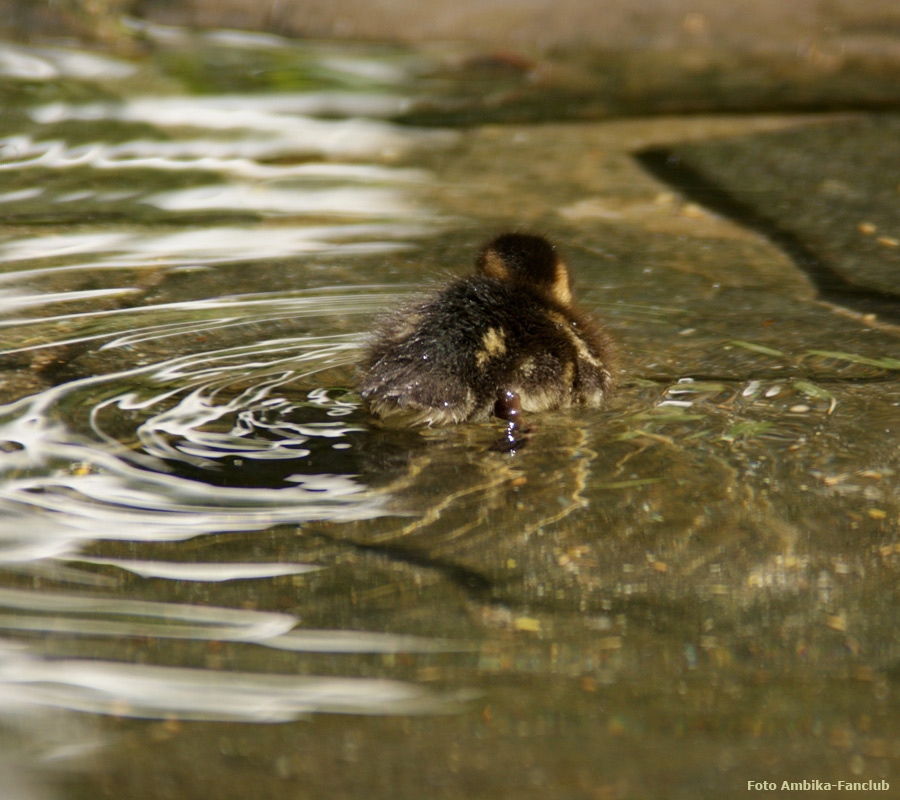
x,y
510,327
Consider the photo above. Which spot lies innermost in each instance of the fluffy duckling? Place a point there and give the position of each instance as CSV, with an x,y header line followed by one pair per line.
x,y
505,339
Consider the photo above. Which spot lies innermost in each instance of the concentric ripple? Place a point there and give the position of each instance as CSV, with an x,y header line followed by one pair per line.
x,y
168,269
236,439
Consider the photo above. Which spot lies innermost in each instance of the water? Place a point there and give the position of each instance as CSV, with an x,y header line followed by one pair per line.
x,y
220,578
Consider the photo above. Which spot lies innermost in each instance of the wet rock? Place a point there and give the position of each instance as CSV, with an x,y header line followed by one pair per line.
x,y
533,24
827,194
89,20
526,62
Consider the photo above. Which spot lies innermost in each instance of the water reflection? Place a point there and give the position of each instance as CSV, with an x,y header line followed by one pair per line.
x,y
52,63
242,158
197,571
145,445
137,690
207,246
172,410
12,301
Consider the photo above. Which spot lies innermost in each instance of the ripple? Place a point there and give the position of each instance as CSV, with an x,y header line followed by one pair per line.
x,y
102,615
51,63
270,199
12,301
123,689
236,439
151,692
214,245
239,438
122,329
276,123
111,616
242,158
788,411
213,572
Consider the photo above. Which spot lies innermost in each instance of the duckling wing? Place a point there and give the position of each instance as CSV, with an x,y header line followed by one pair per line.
x,y
417,368
409,391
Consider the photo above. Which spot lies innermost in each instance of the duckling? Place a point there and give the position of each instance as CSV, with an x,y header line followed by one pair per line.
x,y
506,339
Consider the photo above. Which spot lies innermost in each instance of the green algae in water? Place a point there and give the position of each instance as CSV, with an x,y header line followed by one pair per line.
x,y
883,362
758,348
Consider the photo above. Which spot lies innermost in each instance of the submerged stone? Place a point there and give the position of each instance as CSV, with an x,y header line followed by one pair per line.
x,y
828,194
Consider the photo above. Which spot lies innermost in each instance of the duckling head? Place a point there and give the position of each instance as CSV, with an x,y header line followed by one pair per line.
x,y
529,261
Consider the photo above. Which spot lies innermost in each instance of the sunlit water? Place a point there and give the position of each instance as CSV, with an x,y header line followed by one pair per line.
x,y
209,414
199,521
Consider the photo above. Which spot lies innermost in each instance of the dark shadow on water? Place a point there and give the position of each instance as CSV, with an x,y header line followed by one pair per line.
x,y
472,582
375,457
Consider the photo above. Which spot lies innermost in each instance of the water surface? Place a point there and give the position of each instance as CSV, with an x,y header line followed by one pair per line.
x,y
220,578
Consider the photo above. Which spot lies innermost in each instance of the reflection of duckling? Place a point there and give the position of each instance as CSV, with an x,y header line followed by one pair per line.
x,y
505,339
